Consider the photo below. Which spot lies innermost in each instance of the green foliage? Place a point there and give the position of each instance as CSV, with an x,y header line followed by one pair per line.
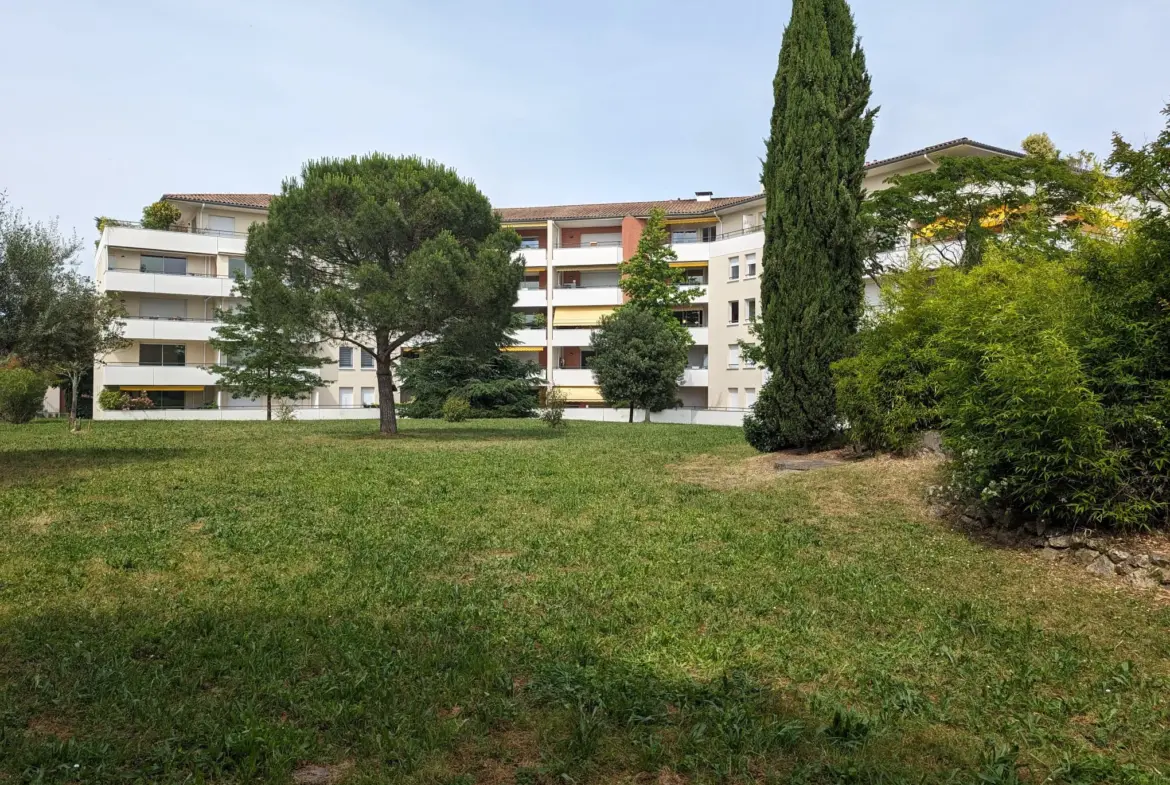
x,y
158,215
22,392
456,409
886,395
390,251
270,341
811,287
640,357
969,203
647,277
123,400
101,222
552,413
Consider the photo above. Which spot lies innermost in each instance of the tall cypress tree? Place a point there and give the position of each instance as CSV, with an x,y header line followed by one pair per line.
x,y
811,286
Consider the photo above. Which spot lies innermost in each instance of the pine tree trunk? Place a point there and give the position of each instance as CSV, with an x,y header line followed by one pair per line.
x,y
387,416
268,406
75,382
631,411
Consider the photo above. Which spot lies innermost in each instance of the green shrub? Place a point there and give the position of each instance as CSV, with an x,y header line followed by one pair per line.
x,y
553,413
160,215
456,409
885,392
123,400
22,394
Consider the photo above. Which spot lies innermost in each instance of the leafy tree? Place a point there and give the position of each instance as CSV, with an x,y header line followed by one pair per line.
x,y
158,215
1038,200
268,341
552,413
391,251
495,383
811,286
22,392
647,277
638,359
77,329
33,257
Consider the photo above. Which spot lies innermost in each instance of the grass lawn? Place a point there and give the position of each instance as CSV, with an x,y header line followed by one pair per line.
x,y
492,602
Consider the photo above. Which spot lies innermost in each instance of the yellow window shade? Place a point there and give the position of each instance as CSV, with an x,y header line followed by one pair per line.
x,y
529,225
534,267
580,316
582,394
163,388
689,264
533,349
680,221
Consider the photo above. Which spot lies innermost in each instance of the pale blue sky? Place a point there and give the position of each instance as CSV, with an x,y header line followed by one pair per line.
x,y
107,105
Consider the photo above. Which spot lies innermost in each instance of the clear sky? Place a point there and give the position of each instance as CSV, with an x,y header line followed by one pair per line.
x,y
105,106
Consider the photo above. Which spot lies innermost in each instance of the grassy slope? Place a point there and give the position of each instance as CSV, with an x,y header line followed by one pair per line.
x,y
491,602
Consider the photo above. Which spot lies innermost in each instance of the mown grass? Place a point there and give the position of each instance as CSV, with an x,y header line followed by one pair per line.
x,y
492,602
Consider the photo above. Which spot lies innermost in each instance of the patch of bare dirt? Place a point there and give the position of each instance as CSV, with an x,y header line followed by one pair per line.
x,y
38,523
721,474
873,482
44,725
495,759
317,774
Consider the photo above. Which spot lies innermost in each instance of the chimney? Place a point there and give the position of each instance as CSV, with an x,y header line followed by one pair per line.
x,y
703,196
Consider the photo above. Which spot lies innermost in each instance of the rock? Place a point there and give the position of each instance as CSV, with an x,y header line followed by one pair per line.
x,y
1118,556
1102,566
1078,540
1159,560
1145,579
1039,526
1060,541
1139,560
967,520
1097,544
931,443
1051,554
1084,556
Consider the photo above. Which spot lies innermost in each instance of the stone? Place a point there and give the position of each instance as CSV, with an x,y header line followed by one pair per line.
x,y
967,520
939,511
1139,560
1159,560
931,443
1084,556
1078,540
1051,554
1097,544
1102,566
1039,526
1117,556
1145,579
1060,541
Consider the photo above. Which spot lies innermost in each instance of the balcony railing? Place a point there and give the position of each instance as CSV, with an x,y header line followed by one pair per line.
x,y
571,285
161,364
718,236
590,244
177,227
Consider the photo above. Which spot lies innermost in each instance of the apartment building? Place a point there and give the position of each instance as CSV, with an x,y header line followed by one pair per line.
x,y
171,283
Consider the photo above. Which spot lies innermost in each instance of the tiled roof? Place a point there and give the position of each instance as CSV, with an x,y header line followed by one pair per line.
x,y
936,148
252,201
672,207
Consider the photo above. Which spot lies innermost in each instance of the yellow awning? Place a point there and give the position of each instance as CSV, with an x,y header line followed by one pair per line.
x,y
580,315
528,225
536,267
162,388
679,221
533,349
689,264
582,394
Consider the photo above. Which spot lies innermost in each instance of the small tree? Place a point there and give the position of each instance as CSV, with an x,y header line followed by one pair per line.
x,y
390,251
78,328
647,277
22,393
271,348
553,413
159,215
638,360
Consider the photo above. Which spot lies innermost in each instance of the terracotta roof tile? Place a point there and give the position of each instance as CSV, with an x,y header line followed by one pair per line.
x,y
935,148
252,201
672,207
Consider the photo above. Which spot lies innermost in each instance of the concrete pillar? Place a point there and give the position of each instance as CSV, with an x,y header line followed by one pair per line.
x,y
550,279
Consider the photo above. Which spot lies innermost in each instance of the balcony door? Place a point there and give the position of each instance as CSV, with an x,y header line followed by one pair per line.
x,y
159,308
223,225
346,397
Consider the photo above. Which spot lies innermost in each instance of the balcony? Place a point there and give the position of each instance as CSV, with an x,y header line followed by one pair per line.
x,y
179,240
131,374
698,335
533,257
692,252
587,295
572,336
161,283
531,298
695,377
593,254
536,337
573,377
139,328
701,289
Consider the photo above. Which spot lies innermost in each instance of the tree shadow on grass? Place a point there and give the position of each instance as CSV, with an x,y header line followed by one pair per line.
x,y
52,466
431,695
455,434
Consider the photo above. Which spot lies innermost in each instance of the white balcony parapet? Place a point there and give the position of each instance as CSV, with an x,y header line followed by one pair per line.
x,y
531,298
536,337
587,255
128,375
692,252
572,336
588,295
533,257
702,299
695,377
199,244
159,283
699,335
137,329
574,377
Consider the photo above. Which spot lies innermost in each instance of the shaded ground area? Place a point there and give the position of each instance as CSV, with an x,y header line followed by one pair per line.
x,y
491,602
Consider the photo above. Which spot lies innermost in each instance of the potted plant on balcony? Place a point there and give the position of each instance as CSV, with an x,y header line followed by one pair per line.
x,y
160,215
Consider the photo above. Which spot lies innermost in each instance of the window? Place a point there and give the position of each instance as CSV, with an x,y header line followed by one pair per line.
x,y
529,242
162,354
733,312
732,397
749,397
164,265
531,281
733,356
158,308
345,397
749,261
167,399
237,266
345,358
690,318
748,362
733,268
750,308
587,358
223,225
367,396
684,236
695,276
747,222
710,233
367,361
